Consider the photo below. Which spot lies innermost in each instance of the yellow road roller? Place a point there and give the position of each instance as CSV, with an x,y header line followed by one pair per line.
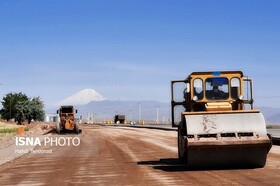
x,y
67,119
217,124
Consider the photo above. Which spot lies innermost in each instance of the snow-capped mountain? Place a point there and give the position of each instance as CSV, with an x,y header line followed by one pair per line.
x,y
82,97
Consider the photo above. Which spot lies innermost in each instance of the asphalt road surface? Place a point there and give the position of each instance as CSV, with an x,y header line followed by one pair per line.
x,y
125,156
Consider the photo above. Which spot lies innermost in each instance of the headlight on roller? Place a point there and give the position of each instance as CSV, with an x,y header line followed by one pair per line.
x,y
195,98
241,97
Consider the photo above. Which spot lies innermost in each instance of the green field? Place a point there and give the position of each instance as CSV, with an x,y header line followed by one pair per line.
x,y
8,128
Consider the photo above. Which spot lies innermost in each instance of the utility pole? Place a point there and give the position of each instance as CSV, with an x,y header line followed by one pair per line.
x,y
130,115
157,114
139,112
10,110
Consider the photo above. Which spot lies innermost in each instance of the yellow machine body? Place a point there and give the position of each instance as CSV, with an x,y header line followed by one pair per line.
x,y
217,125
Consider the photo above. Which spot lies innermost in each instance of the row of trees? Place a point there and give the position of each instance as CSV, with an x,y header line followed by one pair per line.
x,y
21,108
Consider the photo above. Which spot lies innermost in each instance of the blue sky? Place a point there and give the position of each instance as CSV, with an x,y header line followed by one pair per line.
x,y
132,49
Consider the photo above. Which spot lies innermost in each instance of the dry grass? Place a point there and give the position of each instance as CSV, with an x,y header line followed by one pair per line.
x,y
8,128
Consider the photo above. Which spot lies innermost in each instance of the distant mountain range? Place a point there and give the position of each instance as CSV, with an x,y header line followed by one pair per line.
x,y
89,102
148,110
272,115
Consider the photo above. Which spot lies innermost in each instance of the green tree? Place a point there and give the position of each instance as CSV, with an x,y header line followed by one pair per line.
x,y
9,104
37,109
21,108
23,111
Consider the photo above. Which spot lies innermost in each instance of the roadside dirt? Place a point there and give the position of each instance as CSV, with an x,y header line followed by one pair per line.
x,y
126,156
8,144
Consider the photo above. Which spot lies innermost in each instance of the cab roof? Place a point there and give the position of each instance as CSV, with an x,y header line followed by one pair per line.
x,y
217,73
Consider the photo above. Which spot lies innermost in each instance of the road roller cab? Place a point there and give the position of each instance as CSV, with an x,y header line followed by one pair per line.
x,y
217,125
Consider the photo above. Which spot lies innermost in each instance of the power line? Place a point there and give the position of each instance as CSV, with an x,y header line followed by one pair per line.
x,y
267,97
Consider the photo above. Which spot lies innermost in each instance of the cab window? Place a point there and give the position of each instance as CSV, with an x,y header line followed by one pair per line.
x,y
198,88
217,88
235,87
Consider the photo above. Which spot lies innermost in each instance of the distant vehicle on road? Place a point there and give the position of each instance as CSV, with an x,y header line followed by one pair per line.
x,y
120,119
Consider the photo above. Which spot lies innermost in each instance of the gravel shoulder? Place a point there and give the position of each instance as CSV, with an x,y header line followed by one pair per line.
x,y
8,145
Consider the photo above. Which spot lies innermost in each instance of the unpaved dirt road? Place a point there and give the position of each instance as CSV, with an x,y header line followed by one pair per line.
x,y
126,156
